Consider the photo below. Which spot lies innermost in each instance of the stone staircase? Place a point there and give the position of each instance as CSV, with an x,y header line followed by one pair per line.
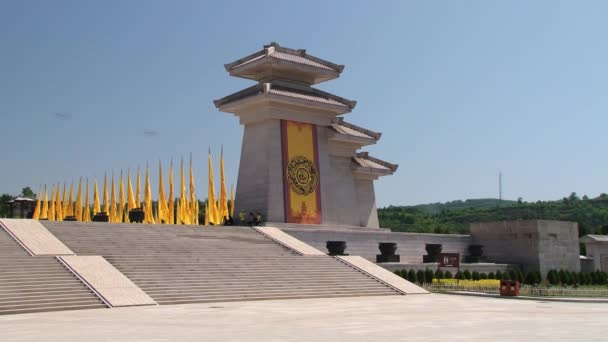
x,y
35,284
186,264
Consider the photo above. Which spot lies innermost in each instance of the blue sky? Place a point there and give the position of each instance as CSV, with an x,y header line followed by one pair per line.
x,y
460,89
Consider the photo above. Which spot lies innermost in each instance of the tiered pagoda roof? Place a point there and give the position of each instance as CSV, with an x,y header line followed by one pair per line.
x,y
366,164
284,79
296,93
277,62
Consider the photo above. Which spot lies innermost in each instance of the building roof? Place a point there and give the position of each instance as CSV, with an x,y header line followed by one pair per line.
x,y
288,90
368,164
594,238
22,199
275,61
343,127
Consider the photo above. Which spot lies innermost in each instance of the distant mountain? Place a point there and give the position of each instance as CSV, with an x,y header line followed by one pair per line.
x,y
479,203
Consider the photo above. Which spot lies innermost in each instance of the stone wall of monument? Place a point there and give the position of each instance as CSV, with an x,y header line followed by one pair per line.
x,y
339,207
533,244
365,243
366,202
260,181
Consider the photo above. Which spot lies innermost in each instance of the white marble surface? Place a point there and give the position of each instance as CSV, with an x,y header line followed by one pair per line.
x,y
289,241
110,283
35,237
384,275
395,318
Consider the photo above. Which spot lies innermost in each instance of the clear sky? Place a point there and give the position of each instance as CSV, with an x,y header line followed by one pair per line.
x,y
460,89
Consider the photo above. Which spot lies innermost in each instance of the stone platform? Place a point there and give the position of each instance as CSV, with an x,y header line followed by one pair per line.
x,y
397,318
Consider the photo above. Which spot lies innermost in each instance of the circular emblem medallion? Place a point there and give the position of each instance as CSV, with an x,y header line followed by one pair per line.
x,y
302,175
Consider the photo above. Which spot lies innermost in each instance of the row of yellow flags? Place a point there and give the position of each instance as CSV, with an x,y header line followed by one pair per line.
x,y
168,211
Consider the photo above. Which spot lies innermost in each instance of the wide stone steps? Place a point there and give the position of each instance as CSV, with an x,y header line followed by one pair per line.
x,y
35,284
10,247
186,264
193,300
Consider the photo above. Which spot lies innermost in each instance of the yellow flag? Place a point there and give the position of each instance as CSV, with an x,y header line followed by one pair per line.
x,y
183,212
213,215
163,210
206,214
58,205
64,202
223,207
78,205
36,214
51,214
138,192
106,200
96,206
86,215
45,206
171,204
130,197
121,202
231,202
148,215
193,199
71,200
113,201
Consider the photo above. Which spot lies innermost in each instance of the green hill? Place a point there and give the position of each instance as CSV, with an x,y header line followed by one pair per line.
x,y
456,216
481,203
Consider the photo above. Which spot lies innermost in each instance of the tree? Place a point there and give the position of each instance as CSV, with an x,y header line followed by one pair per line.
x,y
411,276
4,208
27,192
420,276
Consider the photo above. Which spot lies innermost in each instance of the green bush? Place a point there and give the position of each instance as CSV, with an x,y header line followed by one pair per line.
x,y
562,277
439,274
428,276
475,275
411,276
553,277
581,278
529,278
459,275
447,275
498,275
491,275
466,274
512,275
483,276
420,276
506,276
520,275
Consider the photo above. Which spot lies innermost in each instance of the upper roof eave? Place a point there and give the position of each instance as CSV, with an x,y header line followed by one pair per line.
x,y
272,47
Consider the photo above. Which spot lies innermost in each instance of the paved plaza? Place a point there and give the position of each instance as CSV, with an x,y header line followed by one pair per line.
x,y
394,318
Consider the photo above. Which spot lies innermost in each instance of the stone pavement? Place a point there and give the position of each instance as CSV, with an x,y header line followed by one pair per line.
x,y
432,317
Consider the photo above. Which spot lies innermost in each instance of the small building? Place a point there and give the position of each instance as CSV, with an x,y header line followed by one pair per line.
x,y
22,207
541,245
597,251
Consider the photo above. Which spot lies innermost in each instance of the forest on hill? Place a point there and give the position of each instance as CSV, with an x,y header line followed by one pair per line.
x,y
454,217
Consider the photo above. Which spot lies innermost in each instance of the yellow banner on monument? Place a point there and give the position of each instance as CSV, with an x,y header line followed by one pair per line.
x,y
301,172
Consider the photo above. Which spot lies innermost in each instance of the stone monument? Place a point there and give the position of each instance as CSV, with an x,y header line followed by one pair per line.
x,y
300,161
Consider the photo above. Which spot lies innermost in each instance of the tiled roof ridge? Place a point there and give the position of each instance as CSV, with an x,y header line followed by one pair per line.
x,y
305,89
340,121
270,48
365,155
287,85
